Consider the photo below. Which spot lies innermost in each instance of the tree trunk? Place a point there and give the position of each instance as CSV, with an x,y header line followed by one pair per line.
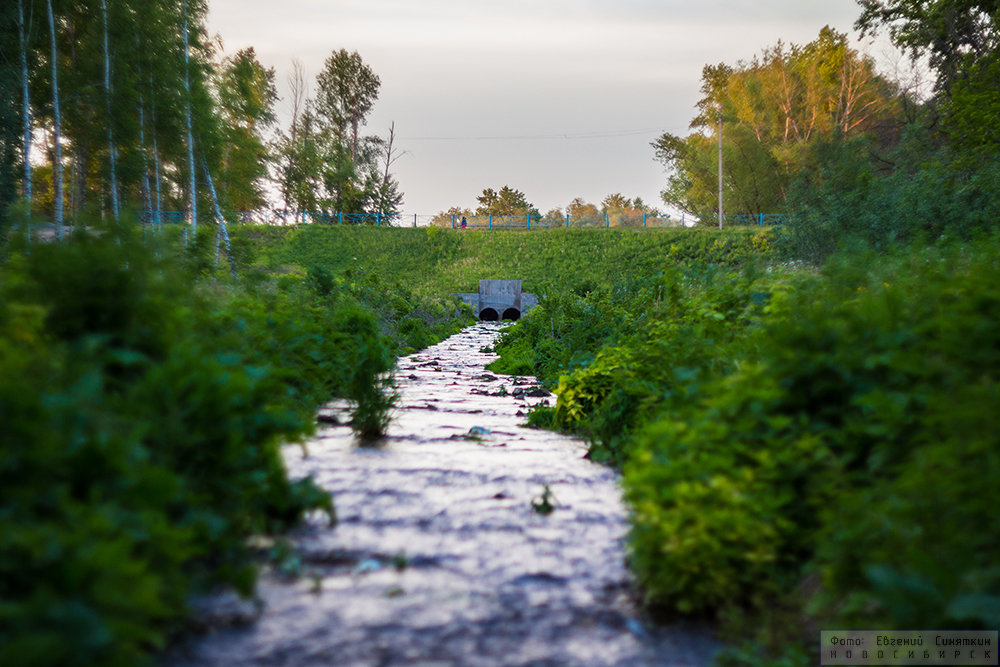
x,y
112,149
147,195
25,108
223,229
190,131
158,216
57,174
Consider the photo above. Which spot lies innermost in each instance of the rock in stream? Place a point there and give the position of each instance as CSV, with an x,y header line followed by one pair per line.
x,y
440,557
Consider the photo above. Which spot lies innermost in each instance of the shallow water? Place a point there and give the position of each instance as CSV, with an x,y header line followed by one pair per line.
x,y
439,557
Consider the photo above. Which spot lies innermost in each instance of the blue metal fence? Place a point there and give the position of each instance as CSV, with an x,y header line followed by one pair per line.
x,y
488,222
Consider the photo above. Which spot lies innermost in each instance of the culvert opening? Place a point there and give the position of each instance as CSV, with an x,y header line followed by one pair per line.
x,y
489,315
511,314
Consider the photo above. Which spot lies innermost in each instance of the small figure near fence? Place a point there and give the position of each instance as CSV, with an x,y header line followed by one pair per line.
x,y
463,222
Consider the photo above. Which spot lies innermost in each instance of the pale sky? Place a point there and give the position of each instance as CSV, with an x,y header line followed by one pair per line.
x,y
556,98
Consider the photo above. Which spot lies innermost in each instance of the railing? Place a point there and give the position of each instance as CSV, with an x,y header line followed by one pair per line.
x,y
489,222
759,219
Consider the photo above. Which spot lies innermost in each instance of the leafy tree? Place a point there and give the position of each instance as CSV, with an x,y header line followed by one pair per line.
x,y
773,108
954,34
579,208
554,217
109,77
346,92
456,213
324,163
300,162
961,40
506,201
386,195
616,203
247,94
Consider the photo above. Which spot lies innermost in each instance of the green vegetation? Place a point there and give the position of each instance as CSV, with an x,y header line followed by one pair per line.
x,y
805,418
144,401
810,442
796,443
433,262
773,111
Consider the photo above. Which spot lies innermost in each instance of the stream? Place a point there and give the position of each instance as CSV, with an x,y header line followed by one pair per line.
x,y
439,556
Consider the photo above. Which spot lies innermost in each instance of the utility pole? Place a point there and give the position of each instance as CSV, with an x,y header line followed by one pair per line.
x,y
718,108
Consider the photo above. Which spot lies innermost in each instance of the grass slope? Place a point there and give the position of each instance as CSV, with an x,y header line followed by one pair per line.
x,y
432,261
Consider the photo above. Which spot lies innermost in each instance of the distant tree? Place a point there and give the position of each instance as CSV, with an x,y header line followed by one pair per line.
x,y
324,163
445,218
387,197
300,163
623,211
616,203
247,94
506,201
346,92
579,208
640,206
773,109
554,217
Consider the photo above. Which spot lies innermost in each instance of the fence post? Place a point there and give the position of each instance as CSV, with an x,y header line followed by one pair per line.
x,y
761,219
491,221
414,220
607,221
340,217
643,220
453,221
527,217
567,221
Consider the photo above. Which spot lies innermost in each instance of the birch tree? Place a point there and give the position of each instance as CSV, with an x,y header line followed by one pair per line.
x,y
247,95
25,21
346,92
775,108
193,184
112,148
57,173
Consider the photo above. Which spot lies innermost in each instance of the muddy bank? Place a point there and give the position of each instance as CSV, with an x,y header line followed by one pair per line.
x,y
439,557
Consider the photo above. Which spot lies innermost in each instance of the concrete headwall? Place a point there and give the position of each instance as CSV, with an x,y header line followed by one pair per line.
x,y
499,300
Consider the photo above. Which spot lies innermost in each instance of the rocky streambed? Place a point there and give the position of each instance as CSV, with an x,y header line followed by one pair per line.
x,y
441,555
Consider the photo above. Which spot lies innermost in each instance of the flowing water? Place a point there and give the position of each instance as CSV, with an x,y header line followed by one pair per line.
x,y
440,556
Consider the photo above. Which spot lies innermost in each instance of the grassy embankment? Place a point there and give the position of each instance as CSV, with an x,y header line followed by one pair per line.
x,y
435,262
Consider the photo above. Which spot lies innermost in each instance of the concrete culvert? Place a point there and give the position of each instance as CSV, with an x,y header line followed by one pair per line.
x,y
511,314
489,315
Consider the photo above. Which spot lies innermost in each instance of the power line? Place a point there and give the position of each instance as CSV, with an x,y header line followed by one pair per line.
x,y
602,134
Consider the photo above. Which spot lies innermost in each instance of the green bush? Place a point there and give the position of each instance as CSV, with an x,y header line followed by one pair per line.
x,y
928,194
621,355
839,451
795,442
142,412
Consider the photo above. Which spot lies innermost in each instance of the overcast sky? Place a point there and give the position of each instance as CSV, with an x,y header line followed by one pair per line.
x,y
556,98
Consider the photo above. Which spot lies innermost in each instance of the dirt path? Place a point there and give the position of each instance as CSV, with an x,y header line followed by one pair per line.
x,y
439,557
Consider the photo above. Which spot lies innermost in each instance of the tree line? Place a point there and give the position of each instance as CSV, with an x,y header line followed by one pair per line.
x,y
126,105
510,202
